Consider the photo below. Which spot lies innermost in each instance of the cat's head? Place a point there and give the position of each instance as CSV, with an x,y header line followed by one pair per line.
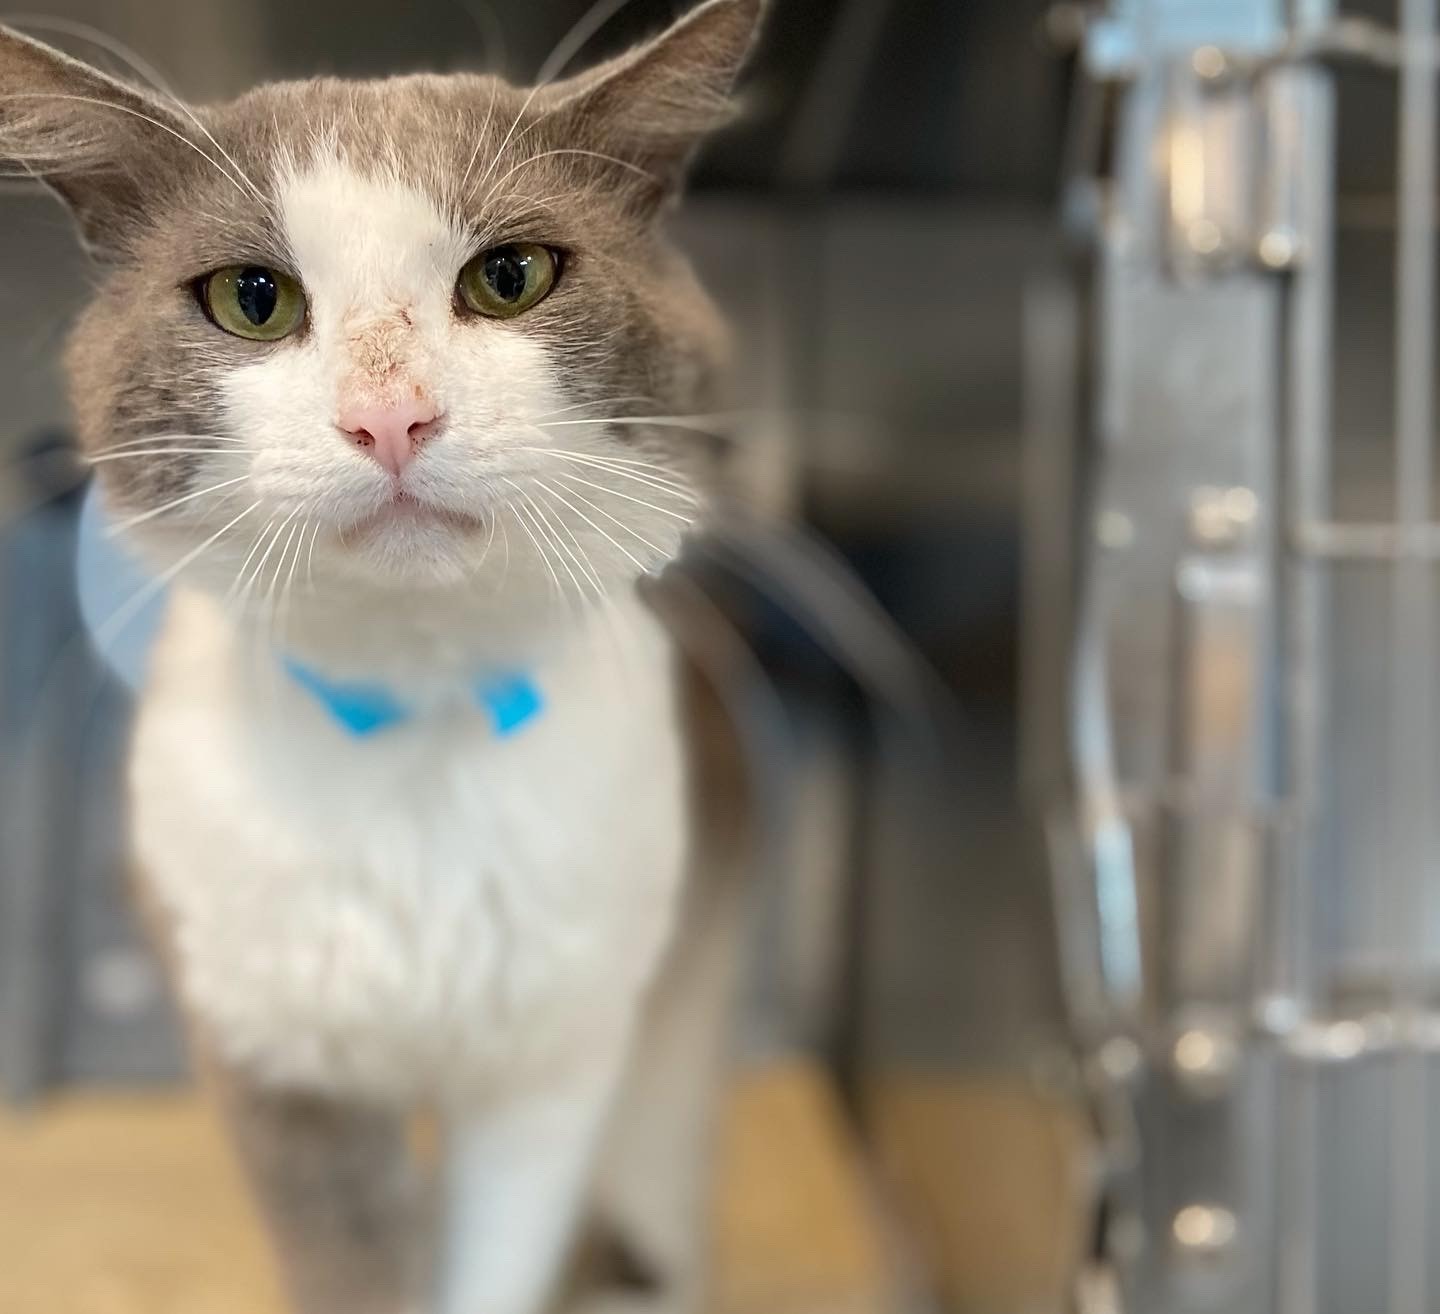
x,y
401,326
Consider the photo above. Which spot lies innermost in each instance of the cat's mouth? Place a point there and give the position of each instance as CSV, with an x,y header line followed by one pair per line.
x,y
404,509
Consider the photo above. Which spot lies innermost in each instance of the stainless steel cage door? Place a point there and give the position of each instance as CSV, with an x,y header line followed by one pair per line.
x,y
1246,834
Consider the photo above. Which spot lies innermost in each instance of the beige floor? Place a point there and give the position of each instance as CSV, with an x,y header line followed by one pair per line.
x,y
130,1205
996,1184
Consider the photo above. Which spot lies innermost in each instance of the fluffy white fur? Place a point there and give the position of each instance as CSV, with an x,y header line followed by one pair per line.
x,y
432,913
429,912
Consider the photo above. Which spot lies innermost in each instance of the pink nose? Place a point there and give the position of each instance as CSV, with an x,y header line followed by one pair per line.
x,y
391,434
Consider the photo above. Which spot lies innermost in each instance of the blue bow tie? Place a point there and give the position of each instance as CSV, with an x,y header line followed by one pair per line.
x,y
362,709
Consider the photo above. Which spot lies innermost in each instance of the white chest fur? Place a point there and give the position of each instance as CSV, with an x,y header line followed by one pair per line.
x,y
432,912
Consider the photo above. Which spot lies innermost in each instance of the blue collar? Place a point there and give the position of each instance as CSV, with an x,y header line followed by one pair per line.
x,y
361,709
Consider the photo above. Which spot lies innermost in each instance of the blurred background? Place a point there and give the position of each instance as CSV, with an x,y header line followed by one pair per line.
x,y
1109,987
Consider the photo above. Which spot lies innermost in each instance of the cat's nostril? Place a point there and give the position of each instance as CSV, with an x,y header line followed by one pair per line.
x,y
392,435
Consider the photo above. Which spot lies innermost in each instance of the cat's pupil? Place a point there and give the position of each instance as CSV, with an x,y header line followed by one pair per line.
x,y
505,272
257,293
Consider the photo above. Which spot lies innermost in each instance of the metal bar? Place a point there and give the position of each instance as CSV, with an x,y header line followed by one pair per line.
x,y
1304,697
1358,542
1338,1042
1411,703
1053,354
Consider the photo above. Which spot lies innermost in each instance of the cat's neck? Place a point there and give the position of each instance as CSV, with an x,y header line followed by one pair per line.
x,y
413,639
208,656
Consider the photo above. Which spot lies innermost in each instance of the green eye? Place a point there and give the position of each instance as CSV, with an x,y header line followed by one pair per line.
x,y
253,302
507,280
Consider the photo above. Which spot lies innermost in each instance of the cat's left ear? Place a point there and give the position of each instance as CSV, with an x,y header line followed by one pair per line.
x,y
653,105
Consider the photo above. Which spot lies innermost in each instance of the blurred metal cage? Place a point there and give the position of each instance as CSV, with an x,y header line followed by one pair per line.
x,y
1233,630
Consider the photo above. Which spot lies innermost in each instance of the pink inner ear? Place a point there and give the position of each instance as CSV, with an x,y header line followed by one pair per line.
x,y
391,433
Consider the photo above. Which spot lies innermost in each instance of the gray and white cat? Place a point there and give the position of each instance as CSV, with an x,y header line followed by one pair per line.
x,y
366,375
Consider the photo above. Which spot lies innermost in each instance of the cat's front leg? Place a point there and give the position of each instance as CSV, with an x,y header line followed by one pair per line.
x,y
516,1180
339,1193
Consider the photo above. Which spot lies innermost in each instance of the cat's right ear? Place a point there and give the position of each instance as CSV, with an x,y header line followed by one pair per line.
x,y
651,107
97,142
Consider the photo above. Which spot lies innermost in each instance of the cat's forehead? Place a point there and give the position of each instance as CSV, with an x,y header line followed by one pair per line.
x,y
422,125
405,161
421,165
372,235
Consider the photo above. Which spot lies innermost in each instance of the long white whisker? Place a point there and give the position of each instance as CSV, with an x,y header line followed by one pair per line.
x,y
134,114
609,538
172,438
260,631
268,610
541,526
661,483
544,556
616,629
630,462
520,210
616,633
158,451
489,541
576,552
274,591
285,593
615,492
257,573
265,547
505,141
270,592
124,614
249,557
634,533
170,506
555,541
310,558
460,192
622,462
599,401
569,150
659,475
543,522
695,423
